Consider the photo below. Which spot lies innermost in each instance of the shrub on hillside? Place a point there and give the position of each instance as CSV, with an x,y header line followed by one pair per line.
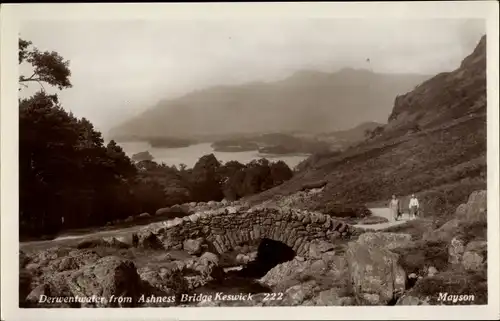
x,y
454,283
471,230
342,210
255,177
421,254
205,179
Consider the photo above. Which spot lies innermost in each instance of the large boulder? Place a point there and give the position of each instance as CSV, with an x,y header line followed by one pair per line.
x,y
107,282
412,299
461,211
317,248
200,271
167,281
194,247
23,259
375,273
456,250
208,266
330,297
149,240
45,257
209,258
445,232
25,279
475,256
297,294
385,240
52,293
476,205
42,270
111,277
284,272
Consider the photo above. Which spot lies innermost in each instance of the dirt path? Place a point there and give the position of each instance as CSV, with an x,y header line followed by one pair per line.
x,y
69,239
385,213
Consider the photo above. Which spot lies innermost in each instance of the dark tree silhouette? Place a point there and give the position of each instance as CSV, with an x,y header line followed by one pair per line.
x,y
70,179
65,169
48,67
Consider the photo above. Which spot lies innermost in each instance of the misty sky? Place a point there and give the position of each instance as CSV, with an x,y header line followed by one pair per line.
x,y
121,68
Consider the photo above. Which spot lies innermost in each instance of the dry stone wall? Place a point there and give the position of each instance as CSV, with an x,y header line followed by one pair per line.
x,y
229,227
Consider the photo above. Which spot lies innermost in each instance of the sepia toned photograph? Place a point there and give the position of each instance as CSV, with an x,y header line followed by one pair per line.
x,y
257,162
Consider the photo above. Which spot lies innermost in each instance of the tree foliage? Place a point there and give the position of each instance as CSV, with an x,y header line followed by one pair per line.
x,y
65,169
48,67
69,178
255,177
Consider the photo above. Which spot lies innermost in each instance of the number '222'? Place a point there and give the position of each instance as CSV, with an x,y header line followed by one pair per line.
x,y
273,296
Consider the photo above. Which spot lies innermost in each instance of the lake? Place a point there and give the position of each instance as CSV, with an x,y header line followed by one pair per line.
x,y
190,155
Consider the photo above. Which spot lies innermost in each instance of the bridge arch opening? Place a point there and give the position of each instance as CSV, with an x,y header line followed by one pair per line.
x,y
269,254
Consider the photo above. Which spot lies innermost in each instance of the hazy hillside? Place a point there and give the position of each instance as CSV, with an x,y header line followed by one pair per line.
x,y
433,145
308,101
351,135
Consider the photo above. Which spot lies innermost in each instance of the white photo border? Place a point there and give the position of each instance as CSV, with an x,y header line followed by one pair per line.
x,y
12,15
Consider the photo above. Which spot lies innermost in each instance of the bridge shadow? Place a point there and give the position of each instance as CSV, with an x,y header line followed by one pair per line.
x,y
269,254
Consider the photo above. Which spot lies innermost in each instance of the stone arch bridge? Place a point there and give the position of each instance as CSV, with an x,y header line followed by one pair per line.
x,y
228,228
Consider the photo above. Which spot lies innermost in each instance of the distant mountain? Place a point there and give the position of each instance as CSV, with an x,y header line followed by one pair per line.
x,y
307,101
434,145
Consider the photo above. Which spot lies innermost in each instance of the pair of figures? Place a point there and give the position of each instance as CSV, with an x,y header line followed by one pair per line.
x,y
395,208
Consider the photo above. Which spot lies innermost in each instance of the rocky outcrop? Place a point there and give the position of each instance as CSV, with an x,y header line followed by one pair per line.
x,y
109,276
23,259
193,247
448,95
44,264
465,234
456,250
148,240
385,240
246,258
284,272
107,280
374,270
318,248
448,288
330,297
467,219
475,207
310,282
459,251
84,273
475,257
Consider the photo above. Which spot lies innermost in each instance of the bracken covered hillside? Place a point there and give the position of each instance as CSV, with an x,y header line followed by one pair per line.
x,y
434,145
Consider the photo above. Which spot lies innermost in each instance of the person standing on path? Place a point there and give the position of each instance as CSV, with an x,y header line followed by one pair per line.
x,y
394,208
413,207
